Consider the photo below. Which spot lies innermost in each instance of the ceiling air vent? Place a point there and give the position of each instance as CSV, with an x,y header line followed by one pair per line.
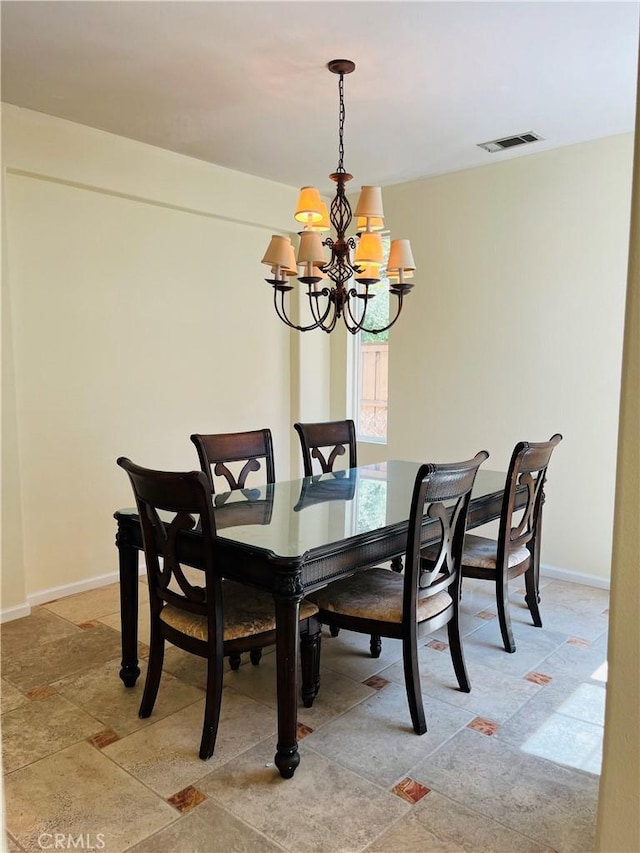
x,y
510,142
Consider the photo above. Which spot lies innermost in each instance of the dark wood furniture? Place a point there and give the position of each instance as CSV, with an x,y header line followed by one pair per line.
x,y
295,554
216,619
222,454
517,549
217,451
406,607
325,442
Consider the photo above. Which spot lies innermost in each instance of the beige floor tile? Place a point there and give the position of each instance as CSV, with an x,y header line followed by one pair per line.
x,y
40,728
49,662
10,697
348,654
193,833
144,629
337,693
324,807
88,605
187,667
102,694
493,694
376,738
20,637
165,755
439,825
11,845
79,792
538,798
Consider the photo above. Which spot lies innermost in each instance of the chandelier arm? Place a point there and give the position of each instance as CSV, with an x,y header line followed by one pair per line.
x,y
321,319
315,312
356,324
389,325
282,314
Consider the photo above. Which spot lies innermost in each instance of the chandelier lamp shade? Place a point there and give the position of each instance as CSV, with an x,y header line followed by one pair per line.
x,y
338,272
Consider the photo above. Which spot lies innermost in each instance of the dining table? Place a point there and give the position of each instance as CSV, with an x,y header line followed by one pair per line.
x,y
290,538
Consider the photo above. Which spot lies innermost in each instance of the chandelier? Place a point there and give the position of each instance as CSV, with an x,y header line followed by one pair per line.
x,y
354,265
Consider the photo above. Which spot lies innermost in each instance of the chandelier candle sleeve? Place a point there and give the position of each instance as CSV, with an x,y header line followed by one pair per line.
x,y
338,287
369,223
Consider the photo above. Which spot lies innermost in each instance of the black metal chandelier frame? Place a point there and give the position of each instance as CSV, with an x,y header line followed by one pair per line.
x,y
341,298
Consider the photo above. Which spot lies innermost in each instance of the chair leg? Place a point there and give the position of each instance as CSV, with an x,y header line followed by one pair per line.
x,y
457,655
504,617
255,655
412,684
532,598
212,706
375,646
310,644
234,661
396,565
154,671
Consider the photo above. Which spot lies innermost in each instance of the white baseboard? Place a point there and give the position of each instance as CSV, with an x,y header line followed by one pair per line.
x,y
11,613
55,592
556,573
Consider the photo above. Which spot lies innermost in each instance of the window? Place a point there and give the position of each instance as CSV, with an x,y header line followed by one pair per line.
x,y
370,364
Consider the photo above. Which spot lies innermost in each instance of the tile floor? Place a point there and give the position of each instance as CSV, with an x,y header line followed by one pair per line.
x,y
512,766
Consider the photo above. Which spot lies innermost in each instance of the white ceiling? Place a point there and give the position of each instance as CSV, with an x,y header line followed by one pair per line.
x,y
244,84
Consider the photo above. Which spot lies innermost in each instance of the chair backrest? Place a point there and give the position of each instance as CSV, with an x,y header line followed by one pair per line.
x,y
217,451
440,492
528,468
325,442
170,504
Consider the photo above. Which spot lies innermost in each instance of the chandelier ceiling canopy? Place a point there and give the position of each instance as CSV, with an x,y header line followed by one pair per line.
x,y
339,285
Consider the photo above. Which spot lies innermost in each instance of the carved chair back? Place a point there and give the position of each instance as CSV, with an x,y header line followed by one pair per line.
x,y
325,442
528,468
442,492
248,451
170,504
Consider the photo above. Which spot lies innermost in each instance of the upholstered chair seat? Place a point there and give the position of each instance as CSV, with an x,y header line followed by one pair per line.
x,y
376,594
245,611
483,553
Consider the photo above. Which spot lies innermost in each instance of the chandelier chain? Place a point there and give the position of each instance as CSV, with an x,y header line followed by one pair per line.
x,y
341,116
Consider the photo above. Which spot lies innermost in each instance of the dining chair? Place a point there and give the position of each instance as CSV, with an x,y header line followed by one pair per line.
x,y
220,453
325,442
516,551
420,601
220,617
229,458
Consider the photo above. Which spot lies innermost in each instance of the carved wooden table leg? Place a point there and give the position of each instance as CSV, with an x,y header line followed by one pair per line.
x,y
310,662
128,561
287,595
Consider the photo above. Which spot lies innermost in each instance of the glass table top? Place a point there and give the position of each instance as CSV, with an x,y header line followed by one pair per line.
x,y
293,517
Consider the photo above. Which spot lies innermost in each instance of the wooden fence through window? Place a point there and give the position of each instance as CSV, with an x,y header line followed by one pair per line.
x,y
374,389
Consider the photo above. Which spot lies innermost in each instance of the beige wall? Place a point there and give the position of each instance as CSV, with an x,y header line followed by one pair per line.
x,y
134,313
514,327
